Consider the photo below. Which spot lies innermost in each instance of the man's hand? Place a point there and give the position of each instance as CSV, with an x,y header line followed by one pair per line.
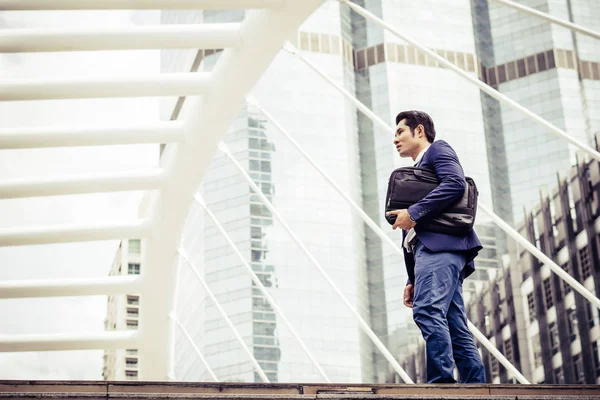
x,y
403,220
409,295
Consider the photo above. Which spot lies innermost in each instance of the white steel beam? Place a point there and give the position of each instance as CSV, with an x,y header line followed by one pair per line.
x,y
109,285
176,84
199,36
481,85
73,233
83,341
79,184
28,5
550,18
234,75
39,137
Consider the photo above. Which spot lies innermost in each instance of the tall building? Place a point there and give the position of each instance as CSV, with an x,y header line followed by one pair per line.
x,y
325,125
123,312
548,69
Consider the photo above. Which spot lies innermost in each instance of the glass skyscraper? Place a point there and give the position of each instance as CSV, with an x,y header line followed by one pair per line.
x,y
550,70
325,124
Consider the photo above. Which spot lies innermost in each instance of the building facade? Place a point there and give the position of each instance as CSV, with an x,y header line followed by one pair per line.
x,y
549,332
548,69
123,313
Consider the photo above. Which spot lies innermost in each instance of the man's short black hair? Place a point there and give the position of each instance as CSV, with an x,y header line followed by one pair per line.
x,y
415,118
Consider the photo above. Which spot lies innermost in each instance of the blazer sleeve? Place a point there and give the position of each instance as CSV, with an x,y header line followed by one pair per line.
x,y
452,183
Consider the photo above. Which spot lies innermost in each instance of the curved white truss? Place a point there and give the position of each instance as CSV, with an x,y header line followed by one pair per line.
x,y
249,49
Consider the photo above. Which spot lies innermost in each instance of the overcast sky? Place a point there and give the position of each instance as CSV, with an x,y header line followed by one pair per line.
x,y
93,259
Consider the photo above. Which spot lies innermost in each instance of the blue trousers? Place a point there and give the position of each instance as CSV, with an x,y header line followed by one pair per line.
x,y
439,312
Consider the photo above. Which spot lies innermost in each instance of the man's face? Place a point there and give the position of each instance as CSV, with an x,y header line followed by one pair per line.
x,y
407,144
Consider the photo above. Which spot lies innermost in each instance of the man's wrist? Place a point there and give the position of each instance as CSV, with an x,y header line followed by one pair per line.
x,y
411,217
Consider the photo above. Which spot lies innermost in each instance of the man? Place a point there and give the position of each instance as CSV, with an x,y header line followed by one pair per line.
x,y
437,263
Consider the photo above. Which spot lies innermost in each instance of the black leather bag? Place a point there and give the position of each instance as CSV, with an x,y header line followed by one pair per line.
x,y
408,185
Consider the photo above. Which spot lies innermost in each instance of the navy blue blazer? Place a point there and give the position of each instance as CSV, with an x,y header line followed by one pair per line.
x,y
441,159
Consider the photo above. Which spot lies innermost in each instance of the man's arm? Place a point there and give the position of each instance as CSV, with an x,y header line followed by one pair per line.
x,y
451,188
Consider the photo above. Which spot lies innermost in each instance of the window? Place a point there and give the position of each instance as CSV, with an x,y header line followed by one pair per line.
x,y
521,68
548,293
326,43
131,362
578,368
541,62
550,57
304,40
256,232
360,59
511,68
267,353
370,56
537,350
531,304
265,279
401,52
313,40
132,352
585,262
380,52
265,340
264,316
259,303
134,246
132,324
530,65
596,358
591,315
501,73
133,313
495,366
133,269
131,375
559,376
133,300
554,338
566,287
508,351
264,328
572,324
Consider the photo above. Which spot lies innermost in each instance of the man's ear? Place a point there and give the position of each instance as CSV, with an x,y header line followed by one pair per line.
x,y
420,131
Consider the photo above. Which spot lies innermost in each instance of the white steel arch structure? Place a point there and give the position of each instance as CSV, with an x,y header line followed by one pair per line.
x,y
221,95
185,159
